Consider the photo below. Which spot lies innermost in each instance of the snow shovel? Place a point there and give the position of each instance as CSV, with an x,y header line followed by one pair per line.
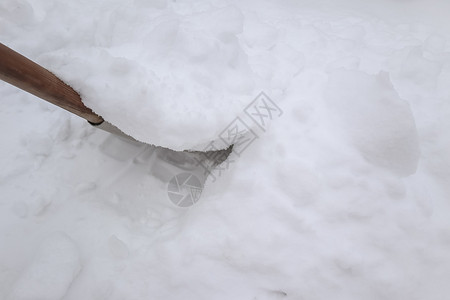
x,y
25,74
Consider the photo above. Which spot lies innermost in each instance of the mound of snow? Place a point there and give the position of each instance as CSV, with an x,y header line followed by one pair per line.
x,y
373,116
158,72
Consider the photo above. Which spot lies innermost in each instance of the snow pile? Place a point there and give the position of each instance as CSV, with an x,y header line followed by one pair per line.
x,y
173,64
377,121
343,196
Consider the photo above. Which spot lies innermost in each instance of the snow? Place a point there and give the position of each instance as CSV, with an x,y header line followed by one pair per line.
x,y
343,194
379,124
52,271
174,68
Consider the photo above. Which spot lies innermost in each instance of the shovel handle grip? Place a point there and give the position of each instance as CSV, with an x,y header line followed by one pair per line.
x,y
25,74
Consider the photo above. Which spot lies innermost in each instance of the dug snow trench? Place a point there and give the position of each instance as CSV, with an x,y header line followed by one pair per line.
x,y
338,188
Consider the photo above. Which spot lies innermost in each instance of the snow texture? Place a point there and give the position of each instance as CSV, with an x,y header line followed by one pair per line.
x,y
50,274
343,194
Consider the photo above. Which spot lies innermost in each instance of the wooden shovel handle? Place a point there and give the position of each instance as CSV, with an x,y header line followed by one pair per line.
x,y
23,73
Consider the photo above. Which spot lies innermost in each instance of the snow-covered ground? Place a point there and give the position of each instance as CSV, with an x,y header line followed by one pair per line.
x,y
342,194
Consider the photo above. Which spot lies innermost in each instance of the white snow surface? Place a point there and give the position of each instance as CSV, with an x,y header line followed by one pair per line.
x,y
343,196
